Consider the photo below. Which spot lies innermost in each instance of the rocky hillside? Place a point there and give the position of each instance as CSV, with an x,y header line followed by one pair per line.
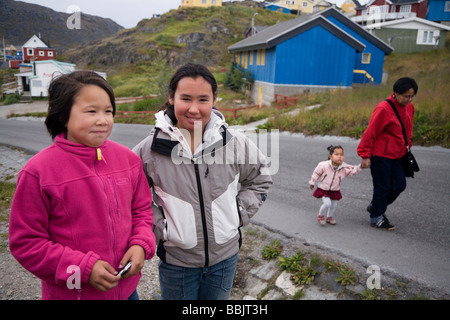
x,y
187,34
19,21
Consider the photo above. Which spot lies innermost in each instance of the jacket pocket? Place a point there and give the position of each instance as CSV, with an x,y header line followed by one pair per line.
x,y
181,230
225,214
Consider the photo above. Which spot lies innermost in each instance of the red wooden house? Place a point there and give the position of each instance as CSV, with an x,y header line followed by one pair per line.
x,y
37,50
377,11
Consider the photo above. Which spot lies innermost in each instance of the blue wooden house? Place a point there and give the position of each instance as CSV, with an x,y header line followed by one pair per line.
x,y
368,63
439,11
307,54
276,7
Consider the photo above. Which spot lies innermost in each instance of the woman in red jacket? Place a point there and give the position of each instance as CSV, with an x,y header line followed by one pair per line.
x,y
382,146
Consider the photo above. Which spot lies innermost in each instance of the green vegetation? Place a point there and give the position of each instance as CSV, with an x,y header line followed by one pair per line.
x,y
272,251
7,190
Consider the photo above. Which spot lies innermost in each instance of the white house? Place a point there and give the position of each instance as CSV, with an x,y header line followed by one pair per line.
x,y
35,82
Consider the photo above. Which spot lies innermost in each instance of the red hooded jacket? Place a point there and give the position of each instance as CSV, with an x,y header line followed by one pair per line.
x,y
384,136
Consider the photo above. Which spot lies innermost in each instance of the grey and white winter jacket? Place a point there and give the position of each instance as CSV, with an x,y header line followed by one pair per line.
x,y
201,199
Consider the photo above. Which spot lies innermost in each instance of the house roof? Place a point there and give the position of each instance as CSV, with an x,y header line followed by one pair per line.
x,y
63,66
356,28
405,21
280,32
393,2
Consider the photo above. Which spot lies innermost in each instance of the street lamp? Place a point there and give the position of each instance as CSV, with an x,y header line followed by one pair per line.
x,y
253,22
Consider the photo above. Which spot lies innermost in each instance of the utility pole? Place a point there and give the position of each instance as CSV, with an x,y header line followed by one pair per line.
x,y
4,50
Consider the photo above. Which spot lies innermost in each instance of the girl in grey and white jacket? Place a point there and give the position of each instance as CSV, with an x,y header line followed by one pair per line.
x,y
207,181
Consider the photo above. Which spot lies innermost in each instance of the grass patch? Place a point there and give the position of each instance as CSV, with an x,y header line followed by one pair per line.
x,y
7,190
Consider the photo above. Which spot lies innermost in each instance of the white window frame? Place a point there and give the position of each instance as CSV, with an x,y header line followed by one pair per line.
x,y
365,58
427,37
447,6
406,8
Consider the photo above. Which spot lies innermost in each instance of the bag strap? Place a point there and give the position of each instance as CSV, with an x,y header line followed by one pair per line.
x,y
400,120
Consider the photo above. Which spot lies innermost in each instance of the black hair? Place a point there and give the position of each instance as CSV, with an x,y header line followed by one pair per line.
x,y
402,85
189,70
62,92
332,148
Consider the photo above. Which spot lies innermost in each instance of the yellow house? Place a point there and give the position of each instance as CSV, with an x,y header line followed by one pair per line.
x,y
348,6
320,5
298,6
201,3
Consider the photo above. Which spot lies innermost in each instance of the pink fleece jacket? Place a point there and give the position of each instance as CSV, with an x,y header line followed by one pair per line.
x,y
71,209
330,177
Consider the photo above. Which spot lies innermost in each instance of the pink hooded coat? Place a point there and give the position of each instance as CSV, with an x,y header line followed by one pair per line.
x,y
331,178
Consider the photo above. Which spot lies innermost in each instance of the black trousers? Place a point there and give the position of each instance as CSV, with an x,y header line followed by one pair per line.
x,y
389,181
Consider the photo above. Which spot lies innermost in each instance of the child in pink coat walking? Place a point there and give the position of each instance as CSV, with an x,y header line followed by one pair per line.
x,y
331,173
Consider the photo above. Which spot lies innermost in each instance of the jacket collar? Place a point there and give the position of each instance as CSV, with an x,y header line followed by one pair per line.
x,y
80,150
333,167
166,136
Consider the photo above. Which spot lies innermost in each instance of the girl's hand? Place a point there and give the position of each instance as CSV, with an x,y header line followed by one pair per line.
x,y
103,276
311,186
365,163
136,254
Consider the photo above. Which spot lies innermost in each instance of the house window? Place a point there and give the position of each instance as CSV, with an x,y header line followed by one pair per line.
x,y
384,9
30,52
50,53
37,83
447,6
263,57
305,4
427,37
405,8
251,57
365,59
41,53
204,1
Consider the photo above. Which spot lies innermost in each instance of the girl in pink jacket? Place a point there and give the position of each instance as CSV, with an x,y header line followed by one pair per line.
x,y
331,173
82,207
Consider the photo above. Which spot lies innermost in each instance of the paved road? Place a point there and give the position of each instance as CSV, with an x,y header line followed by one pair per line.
x,y
417,249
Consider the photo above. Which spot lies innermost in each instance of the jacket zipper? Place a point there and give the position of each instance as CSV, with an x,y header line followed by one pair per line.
x,y
203,215
100,158
114,194
332,180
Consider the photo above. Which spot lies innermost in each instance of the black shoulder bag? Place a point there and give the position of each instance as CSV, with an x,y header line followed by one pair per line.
x,y
409,162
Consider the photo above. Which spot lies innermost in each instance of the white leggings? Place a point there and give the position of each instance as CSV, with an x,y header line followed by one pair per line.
x,y
328,207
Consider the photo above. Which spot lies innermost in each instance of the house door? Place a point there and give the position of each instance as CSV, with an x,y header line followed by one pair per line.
x,y
25,84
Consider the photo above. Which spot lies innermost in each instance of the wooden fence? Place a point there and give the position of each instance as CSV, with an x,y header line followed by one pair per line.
x,y
148,114
133,99
284,102
136,114
234,111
